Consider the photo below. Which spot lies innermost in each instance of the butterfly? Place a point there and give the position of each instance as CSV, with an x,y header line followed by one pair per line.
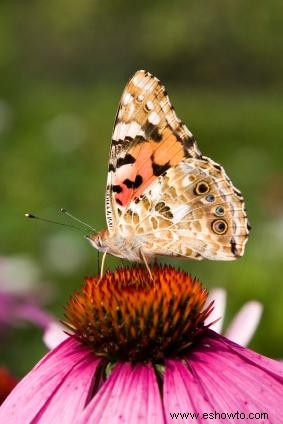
x,y
163,197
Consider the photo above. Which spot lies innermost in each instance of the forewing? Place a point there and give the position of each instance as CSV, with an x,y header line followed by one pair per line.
x,y
148,139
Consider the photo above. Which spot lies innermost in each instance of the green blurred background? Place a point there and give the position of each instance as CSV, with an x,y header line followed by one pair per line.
x,y
63,66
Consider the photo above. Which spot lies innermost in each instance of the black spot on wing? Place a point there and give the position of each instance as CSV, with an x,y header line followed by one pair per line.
x,y
111,168
234,249
116,142
139,139
117,188
155,135
126,160
159,169
238,193
133,184
188,143
216,166
151,132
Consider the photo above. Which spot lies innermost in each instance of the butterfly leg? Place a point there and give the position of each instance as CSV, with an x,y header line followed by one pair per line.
x,y
102,264
146,264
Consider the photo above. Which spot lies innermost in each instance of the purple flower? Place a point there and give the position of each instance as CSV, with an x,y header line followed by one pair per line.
x,y
243,325
20,297
141,353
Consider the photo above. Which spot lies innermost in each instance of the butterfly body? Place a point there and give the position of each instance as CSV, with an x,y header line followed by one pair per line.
x,y
117,245
163,197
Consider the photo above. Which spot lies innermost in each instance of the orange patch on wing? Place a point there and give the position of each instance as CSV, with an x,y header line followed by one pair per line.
x,y
124,197
167,151
141,152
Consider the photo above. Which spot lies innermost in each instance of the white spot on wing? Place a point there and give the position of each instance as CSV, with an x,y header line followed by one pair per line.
x,y
126,129
127,98
135,207
122,173
154,191
153,118
133,129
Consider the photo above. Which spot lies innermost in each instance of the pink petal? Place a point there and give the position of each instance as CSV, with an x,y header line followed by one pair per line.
x,y
219,297
273,367
130,395
223,377
54,335
244,325
183,393
55,390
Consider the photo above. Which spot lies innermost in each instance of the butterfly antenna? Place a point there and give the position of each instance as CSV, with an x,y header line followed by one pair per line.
x,y
32,216
63,210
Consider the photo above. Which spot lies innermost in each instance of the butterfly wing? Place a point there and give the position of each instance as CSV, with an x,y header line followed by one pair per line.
x,y
161,189
148,139
193,211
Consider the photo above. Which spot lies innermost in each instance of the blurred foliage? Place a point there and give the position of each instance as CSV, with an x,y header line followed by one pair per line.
x,y
223,40
63,66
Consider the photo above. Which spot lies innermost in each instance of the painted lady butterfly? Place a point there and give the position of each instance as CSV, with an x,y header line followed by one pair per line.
x,y
163,197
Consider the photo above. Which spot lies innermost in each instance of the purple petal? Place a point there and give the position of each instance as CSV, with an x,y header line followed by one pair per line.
x,y
223,377
130,395
56,389
33,313
244,325
14,309
54,334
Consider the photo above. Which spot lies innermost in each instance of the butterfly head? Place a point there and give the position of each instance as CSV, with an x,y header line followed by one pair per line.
x,y
99,240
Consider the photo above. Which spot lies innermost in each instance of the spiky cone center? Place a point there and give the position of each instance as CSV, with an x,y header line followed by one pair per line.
x,y
127,316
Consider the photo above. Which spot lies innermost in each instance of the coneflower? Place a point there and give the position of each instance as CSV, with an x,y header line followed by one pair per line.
x,y
141,352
